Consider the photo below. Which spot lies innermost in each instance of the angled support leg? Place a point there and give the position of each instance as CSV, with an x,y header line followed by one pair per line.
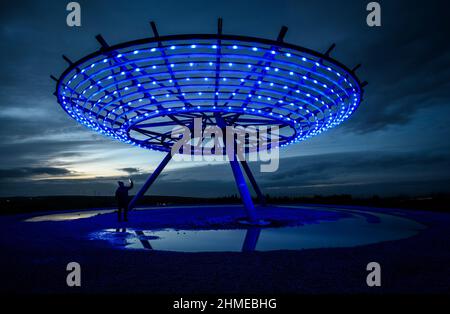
x,y
261,198
238,175
149,181
243,190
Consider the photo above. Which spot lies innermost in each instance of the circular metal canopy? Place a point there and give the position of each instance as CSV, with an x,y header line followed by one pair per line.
x,y
138,91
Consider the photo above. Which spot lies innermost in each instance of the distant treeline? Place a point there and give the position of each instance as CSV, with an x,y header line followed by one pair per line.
x,y
50,203
9,205
435,202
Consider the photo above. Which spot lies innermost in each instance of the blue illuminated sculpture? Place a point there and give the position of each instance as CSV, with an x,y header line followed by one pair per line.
x,y
137,91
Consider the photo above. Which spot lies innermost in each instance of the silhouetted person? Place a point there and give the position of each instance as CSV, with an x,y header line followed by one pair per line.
x,y
122,199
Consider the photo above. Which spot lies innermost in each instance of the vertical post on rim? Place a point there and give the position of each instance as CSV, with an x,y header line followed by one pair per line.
x,y
238,175
248,172
150,180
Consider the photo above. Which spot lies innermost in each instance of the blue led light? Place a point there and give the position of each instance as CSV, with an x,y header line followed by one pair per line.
x,y
116,95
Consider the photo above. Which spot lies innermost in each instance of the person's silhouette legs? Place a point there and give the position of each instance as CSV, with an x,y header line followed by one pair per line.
x,y
119,214
125,216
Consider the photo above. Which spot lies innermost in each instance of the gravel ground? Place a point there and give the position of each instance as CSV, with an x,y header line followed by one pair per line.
x,y
34,257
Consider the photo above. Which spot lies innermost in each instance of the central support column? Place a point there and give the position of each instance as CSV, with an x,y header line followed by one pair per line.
x,y
150,180
238,175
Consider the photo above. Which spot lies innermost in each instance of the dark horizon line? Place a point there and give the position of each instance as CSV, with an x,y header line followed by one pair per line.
x,y
233,196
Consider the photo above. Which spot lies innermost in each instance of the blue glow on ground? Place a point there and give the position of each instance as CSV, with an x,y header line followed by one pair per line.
x,y
361,228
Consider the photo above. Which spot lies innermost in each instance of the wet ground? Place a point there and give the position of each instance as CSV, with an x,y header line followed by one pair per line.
x,y
354,228
306,249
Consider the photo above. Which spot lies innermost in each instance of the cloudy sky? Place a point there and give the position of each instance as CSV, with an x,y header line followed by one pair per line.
x,y
396,143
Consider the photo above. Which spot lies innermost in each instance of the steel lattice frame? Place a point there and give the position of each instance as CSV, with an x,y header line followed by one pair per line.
x,y
138,91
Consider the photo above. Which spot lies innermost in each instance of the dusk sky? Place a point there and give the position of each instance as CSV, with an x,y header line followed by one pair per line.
x,y
397,142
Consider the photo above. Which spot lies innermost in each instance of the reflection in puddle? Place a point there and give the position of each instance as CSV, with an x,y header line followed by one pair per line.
x,y
70,215
347,232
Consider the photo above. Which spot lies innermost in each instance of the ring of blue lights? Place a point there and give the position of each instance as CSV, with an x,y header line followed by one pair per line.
x,y
138,91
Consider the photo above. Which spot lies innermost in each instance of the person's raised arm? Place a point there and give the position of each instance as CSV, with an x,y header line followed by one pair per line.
x,y
131,185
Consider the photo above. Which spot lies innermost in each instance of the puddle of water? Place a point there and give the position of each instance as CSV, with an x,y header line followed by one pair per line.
x,y
69,216
359,229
